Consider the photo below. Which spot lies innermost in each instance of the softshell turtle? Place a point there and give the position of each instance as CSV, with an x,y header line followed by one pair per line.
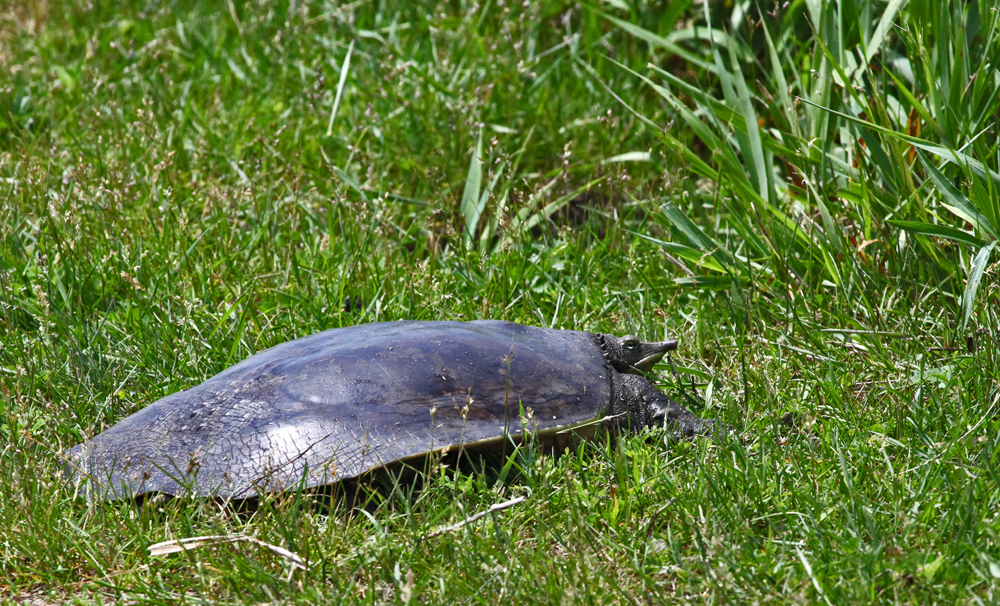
x,y
340,403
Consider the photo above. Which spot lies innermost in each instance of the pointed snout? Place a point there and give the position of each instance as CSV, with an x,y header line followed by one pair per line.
x,y
650,353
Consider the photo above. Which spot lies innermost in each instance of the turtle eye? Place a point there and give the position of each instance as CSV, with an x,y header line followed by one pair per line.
x,y
630,342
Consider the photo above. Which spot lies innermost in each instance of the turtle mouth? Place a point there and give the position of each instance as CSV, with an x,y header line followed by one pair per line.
x,y
651,353
638,358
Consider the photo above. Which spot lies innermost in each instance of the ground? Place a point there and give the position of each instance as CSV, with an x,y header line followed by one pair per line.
x,y
804,195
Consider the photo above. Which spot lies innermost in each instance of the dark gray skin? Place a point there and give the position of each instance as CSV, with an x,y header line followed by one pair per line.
x,y
343,402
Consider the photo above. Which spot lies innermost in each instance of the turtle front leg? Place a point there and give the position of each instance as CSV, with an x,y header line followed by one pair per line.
x,y
637,404
684,422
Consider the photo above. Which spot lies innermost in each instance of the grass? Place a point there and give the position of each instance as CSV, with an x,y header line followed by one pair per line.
x,y
805,195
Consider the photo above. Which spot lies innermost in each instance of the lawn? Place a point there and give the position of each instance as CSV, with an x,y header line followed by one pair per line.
x,y
806,195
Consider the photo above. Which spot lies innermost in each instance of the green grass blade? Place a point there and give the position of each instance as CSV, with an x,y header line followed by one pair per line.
x,y
344,70
694,255
975,277
471,208
957,202
939,150
884,25
940,231
698,237
754,150
659,41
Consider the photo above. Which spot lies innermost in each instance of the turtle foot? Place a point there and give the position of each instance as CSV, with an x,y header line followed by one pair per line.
x,y
686,424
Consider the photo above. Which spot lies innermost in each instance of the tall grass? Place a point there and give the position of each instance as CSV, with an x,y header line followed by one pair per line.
x,y
804,194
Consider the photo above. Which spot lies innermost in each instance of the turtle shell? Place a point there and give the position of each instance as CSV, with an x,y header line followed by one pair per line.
x,y
342,402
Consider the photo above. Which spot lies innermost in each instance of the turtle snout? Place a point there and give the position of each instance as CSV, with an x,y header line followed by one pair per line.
x,y
648,354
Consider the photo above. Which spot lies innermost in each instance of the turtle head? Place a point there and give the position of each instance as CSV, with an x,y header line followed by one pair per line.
x,y
629,354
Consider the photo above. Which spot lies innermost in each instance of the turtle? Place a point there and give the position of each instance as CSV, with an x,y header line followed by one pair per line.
x,y
343,402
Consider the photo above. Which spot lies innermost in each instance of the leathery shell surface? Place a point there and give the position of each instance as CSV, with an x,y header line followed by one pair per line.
x,y
342,402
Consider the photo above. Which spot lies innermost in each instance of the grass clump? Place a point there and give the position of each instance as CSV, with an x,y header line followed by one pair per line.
x,y
805,195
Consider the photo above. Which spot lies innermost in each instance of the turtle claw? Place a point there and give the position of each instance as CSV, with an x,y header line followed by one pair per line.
x,y
685,424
